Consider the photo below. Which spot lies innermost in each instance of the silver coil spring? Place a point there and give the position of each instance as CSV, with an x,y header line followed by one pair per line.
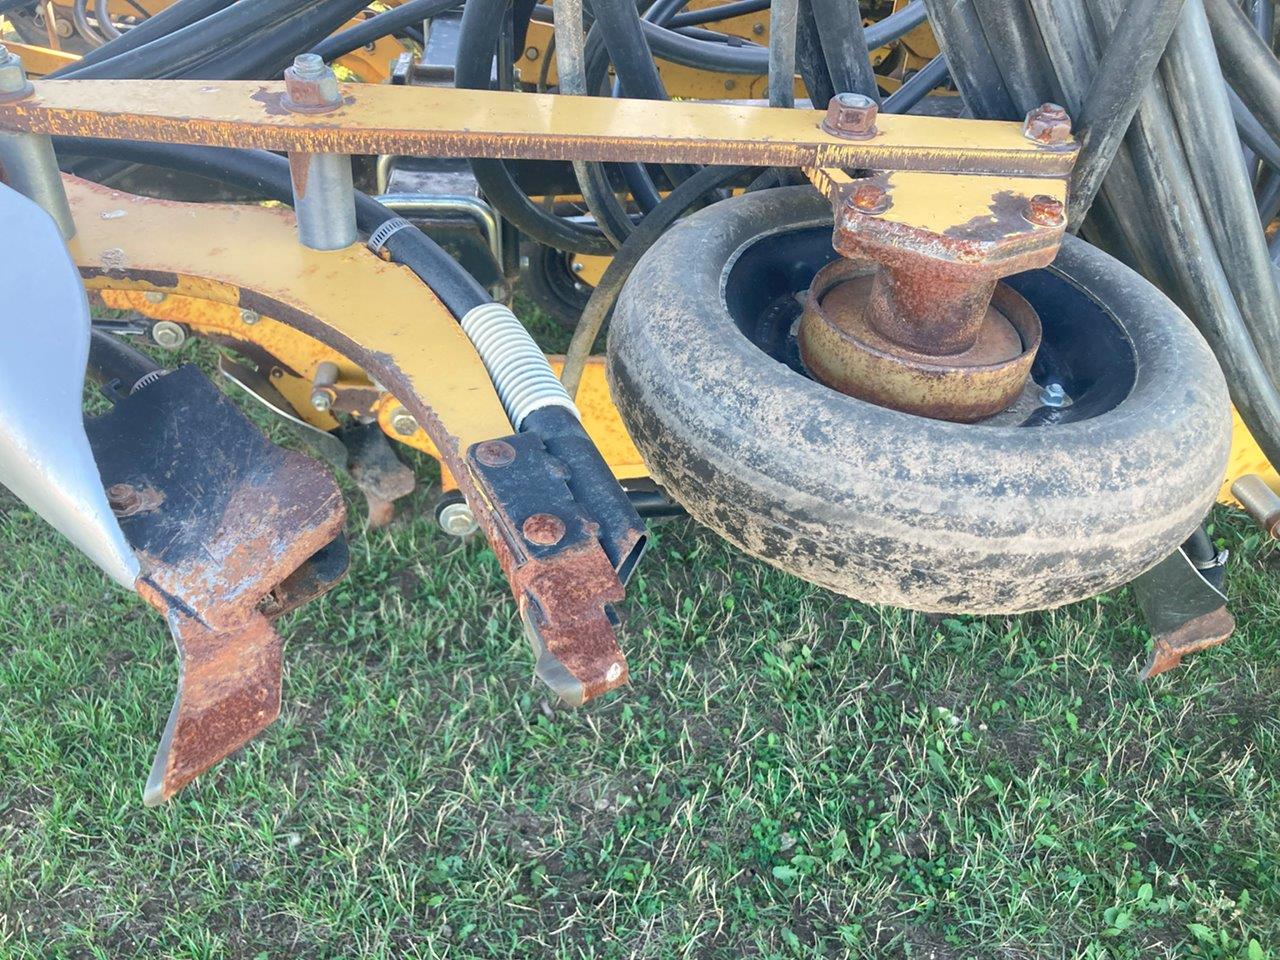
x,y
524,380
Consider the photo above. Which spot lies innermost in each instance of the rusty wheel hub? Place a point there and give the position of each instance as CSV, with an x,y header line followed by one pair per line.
x,y
852,343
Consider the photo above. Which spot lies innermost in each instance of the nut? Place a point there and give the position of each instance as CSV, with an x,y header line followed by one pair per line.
x,y
495,453
852,116
310,86
403,422
14,84
322,399
1047,123
543,529
248,316
869,198
123,499
1045,211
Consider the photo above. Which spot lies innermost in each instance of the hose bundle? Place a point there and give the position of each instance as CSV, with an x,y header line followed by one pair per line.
x,y
1154,113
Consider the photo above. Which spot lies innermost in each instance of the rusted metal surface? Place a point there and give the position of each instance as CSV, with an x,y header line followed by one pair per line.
x,y
1205,631
221,519
1048,124
563,581
842,348
1261,502
446,122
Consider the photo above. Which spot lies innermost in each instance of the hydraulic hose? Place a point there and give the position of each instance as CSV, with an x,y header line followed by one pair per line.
x,y
810,59
782,53
972,64
171,19
381,25
1252,134
844,46
917,86
896,25
267,175
724,11
1131,57
605,294
1247,62
481,21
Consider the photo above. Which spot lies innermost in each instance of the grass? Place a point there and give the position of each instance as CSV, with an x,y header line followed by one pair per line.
x,y
790,773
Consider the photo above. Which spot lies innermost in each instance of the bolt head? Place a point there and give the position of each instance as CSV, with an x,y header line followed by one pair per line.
x,y
577,266
13,77
456,519
758,29
869,198
1053,395
1048,124
123,499
249,316
495,453
1045,211
310,86
154,296
321,400
403,423
852,116
531,53
168,334
543,529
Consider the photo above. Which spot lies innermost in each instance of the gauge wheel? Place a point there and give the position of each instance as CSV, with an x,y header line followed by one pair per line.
x,y
1039,506
549,281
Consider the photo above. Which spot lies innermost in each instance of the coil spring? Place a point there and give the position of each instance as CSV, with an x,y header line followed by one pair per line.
x,y
524,380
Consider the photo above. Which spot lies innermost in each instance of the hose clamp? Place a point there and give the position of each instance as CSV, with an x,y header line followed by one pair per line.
x,y
378,239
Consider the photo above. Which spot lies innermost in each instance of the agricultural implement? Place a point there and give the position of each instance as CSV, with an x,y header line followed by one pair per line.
x,y
917,336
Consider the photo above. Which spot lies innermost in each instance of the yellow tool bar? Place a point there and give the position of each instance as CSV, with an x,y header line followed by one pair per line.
x,y
445,122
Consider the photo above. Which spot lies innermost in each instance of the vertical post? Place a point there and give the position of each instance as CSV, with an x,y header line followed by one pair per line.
x,y
27,161
324,199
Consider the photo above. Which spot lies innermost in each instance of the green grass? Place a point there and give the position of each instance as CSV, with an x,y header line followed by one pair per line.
x,y
789,774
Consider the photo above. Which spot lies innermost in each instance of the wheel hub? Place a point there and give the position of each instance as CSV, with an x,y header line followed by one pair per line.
x,y
852,341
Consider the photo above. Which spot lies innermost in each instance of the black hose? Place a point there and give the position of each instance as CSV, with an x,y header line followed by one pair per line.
x,y
917,86
105,26
80,20
972,64
1251,132
810,59
1105,112
896,25
381,25
268,52
605,294
1247,62
844,46
195,42
725,11
481,21
782,53
171,19
267,175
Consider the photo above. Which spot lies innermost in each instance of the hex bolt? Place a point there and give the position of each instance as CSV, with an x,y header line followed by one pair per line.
x,y
167,334
27,160
1053,395
322,392
403,422
154,296
543,529
851,116
324,199
1047,124
1259,500
249,317
495,453
870,198
1045,211
456,519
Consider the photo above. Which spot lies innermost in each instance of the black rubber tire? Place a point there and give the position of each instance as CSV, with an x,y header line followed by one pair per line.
x,y
549,282
895,509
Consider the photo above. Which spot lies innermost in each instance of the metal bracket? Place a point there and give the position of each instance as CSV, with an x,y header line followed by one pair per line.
x,y
1185,608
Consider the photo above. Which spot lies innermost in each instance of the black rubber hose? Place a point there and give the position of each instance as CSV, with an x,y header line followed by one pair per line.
x,y
917,86
896,25
1019,52
782,53
267,175
171,19
183,48
1251,132
961,40
268,52
381,25
1247,62
481,21
844,46
108,29
810,59
80,20
725,11
605,294
1131,58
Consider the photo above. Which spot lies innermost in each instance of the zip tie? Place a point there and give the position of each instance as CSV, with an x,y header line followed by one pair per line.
x,y
378,239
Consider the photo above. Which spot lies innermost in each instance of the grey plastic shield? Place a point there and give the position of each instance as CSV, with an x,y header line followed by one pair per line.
x,y
44,454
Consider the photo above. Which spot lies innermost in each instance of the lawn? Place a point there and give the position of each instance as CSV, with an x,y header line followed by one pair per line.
x,y
789,774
